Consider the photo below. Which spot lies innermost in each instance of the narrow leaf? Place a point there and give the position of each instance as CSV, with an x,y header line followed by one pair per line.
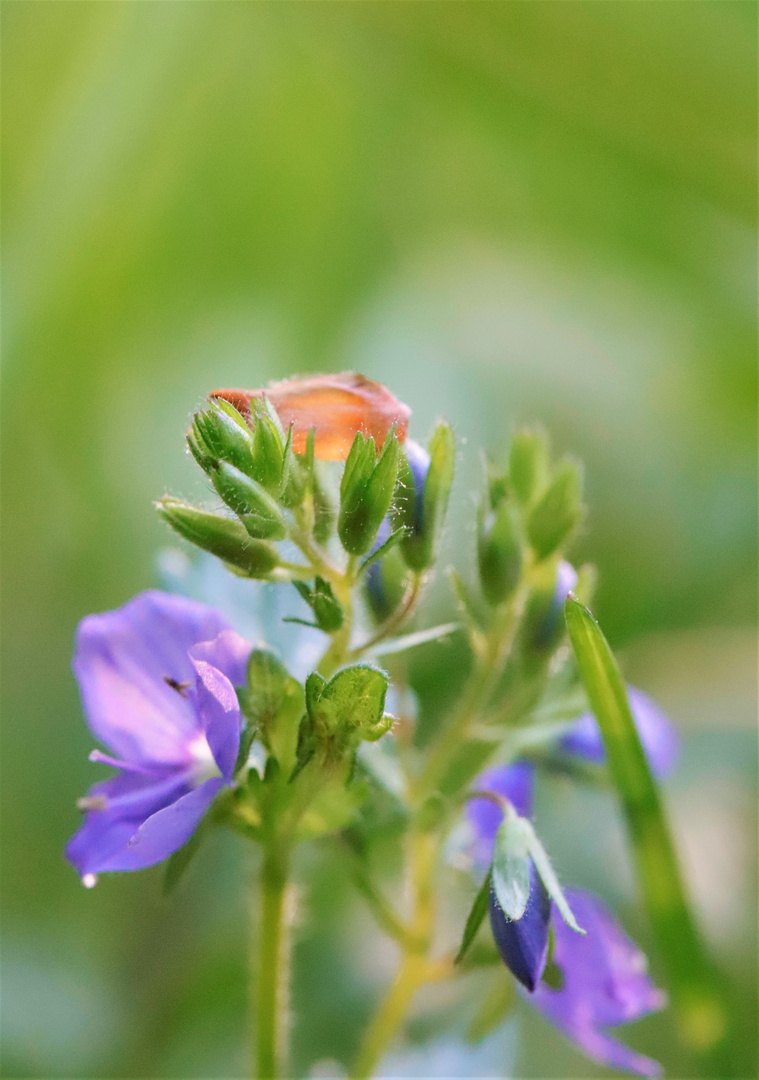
x,y
548,876
419,637
383,549
475,917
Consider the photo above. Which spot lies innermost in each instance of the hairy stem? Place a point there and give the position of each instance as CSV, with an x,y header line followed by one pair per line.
x,y
273,964
391,624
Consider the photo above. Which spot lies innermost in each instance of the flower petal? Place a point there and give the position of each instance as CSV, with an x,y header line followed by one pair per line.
x,y
514,782
127,801
220,712
168,829
122,663
228,652
657,733
604,983
523,943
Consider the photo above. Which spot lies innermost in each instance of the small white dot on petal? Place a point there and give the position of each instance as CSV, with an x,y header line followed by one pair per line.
x,y
89,881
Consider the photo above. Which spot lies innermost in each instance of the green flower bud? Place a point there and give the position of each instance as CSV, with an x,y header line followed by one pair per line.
x,y
558,512
326,608
258,511
427,484
219,433
529,464
222,536
273,705
366,491
499,552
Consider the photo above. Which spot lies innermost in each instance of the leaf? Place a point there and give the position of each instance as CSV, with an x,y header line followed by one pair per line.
x,y
410,641
511,866
548,876
353,699
474,919
383,549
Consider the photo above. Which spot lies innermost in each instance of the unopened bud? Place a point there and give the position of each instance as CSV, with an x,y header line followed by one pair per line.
x,y
558,512
366,492
219,433
221,536
257,510
529,464
499,552
427,478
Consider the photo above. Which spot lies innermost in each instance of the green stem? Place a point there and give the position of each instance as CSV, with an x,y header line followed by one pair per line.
x,y
703,1020
273,964
394,621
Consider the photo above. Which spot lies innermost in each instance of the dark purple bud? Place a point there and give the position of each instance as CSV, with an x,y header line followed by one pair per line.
x,y
523,943
566,579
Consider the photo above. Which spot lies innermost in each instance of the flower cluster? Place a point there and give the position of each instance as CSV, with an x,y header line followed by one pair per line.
x,y
322,491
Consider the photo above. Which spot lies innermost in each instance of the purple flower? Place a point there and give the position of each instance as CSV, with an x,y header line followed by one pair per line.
x,y
157,680
602,982
657,733
513,782
594,981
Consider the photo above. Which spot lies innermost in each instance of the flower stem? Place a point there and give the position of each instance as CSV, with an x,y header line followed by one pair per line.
x,y
273,963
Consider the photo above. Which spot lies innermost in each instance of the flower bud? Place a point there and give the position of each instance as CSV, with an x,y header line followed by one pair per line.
x,y
529,465
268,445
326,608
222,536
257,510
499,552
544,616
366,492
558,512
426,480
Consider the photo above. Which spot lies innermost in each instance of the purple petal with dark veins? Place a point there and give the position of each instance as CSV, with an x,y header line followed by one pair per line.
x,y
122,661
514,782
130,799
523,943
228,653
219,710
604,982
657,733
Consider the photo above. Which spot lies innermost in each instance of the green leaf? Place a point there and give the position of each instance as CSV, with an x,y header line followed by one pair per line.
x,y
418,637
383,549
511,866
323,602
547,875
693,981
474,919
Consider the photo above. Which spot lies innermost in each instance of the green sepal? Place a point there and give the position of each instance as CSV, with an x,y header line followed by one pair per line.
x,y
559,511
474,919
419,546
547,875
511,865
326,608
250,500
273,703
221,536
221,434
268,444
292,487
499,552
366,491
529,464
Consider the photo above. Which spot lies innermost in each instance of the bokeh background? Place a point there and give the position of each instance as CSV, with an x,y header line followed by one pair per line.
x,y
505,211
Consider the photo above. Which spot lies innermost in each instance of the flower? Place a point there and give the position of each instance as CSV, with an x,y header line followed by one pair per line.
x,y
603,982
593,981
657,734
337,406
157,678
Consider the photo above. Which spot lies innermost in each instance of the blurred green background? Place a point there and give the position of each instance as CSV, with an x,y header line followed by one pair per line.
x,y
505,211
